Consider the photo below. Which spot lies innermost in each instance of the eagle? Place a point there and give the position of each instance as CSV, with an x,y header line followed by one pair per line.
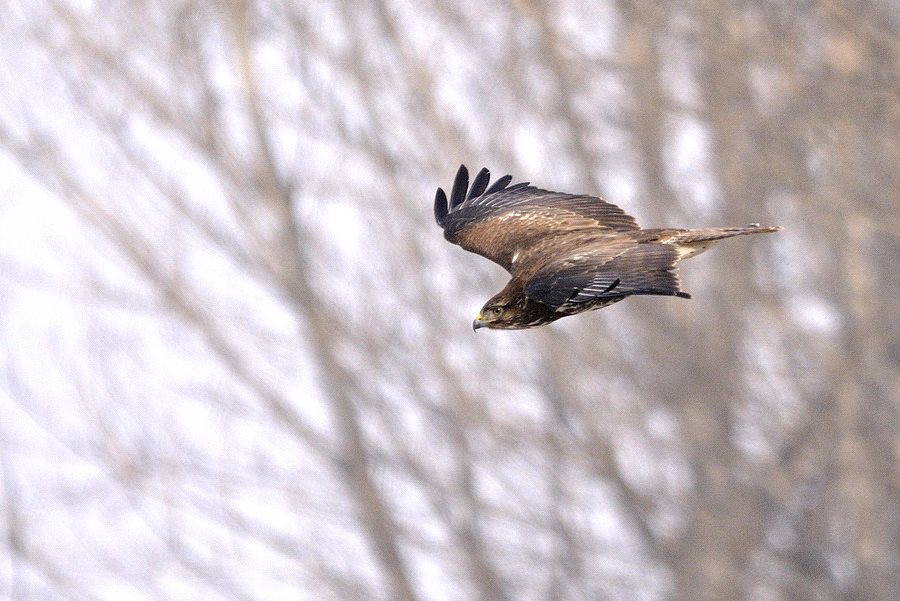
x,y
566,253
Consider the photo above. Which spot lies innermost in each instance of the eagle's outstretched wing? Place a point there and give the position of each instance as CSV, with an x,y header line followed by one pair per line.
x,y
605,269
501,220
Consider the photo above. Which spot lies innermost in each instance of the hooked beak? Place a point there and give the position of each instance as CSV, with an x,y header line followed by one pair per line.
x,y
477,323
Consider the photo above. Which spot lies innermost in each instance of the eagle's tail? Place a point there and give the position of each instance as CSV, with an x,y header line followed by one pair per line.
x,y
693,242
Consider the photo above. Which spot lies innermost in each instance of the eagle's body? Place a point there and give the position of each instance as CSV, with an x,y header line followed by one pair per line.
x,y
566,253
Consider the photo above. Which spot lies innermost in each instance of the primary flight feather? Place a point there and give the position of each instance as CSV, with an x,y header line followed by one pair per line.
x,y
566,253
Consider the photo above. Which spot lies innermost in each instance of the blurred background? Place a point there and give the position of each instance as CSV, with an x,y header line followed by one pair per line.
x,y
236,355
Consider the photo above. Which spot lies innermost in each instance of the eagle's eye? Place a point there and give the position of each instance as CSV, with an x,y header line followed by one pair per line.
x,y
497,311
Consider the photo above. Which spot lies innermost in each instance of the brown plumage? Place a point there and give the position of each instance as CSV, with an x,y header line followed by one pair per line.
x,y
566,253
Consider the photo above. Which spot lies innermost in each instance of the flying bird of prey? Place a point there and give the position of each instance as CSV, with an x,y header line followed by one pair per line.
x,y
566,253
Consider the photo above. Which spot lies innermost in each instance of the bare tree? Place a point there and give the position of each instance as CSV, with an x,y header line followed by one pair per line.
x,y
236,361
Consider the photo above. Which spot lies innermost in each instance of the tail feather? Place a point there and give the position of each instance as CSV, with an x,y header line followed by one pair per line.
x,y
710,234
694,241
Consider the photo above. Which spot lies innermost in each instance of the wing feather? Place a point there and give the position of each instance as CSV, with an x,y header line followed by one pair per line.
x,y
460,185
504,219
479,184
440,207
499,184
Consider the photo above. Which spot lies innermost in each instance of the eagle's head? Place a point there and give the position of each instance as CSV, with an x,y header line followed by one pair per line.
x,y
513,311
496,314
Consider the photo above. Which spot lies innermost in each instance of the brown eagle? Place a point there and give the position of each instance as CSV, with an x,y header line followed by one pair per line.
x,y
567,253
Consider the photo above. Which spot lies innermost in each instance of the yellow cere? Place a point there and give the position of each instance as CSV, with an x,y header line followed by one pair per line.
x,y
478,317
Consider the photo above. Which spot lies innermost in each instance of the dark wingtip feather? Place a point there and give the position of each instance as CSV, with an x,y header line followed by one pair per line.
x,y
479,183
440,207
500,184
460,185
682,295
609,288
